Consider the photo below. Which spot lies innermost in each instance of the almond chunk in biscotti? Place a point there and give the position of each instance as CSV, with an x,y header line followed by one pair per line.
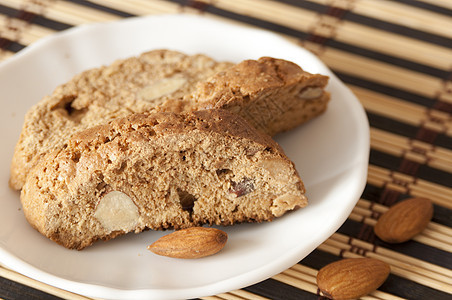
x,y
116,211
164,170
162,87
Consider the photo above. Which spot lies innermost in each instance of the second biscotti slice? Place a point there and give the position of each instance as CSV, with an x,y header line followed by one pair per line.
x,y
159,171
273,95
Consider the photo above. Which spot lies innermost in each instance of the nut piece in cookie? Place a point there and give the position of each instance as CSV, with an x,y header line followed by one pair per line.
x,y
116,211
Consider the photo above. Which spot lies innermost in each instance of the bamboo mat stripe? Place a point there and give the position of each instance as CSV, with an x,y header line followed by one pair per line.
x,y
381,197
271,288
408,131
7,11
10,289
237,295
388,91
348,33
103,8
403,15
414,169
436,117
402,76
49,24
420,152
364,232
441,6
438,36
34,19
398,78
31,289
344,31
434,67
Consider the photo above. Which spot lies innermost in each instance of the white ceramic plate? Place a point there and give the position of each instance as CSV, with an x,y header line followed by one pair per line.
x,y
330,152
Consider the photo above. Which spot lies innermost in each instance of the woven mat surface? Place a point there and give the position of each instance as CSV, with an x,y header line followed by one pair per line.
x,y
396,56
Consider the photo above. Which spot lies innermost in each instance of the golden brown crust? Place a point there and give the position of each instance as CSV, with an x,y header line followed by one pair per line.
x,y
218,121
269,93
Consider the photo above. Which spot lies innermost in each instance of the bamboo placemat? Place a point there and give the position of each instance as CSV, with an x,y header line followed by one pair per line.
x,y
396,56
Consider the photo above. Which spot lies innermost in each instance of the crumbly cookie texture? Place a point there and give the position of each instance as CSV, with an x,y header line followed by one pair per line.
x,y
158,171
273,95
132,85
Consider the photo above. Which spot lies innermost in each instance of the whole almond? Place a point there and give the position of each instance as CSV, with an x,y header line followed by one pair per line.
x,y
404,220
194,242
352,278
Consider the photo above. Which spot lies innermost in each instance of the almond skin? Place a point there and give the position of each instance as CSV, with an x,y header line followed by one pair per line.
x,y
352,278
404,220
194,242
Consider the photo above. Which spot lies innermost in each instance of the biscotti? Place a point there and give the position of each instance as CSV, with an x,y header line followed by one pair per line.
x,y
158,171
273,95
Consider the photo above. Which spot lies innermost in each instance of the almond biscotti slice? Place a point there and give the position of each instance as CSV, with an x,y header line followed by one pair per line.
x,y
132,85
158,171
273,95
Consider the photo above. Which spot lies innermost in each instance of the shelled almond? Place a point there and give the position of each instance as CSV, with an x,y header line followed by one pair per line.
x,y
194,242
404,220
351,278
